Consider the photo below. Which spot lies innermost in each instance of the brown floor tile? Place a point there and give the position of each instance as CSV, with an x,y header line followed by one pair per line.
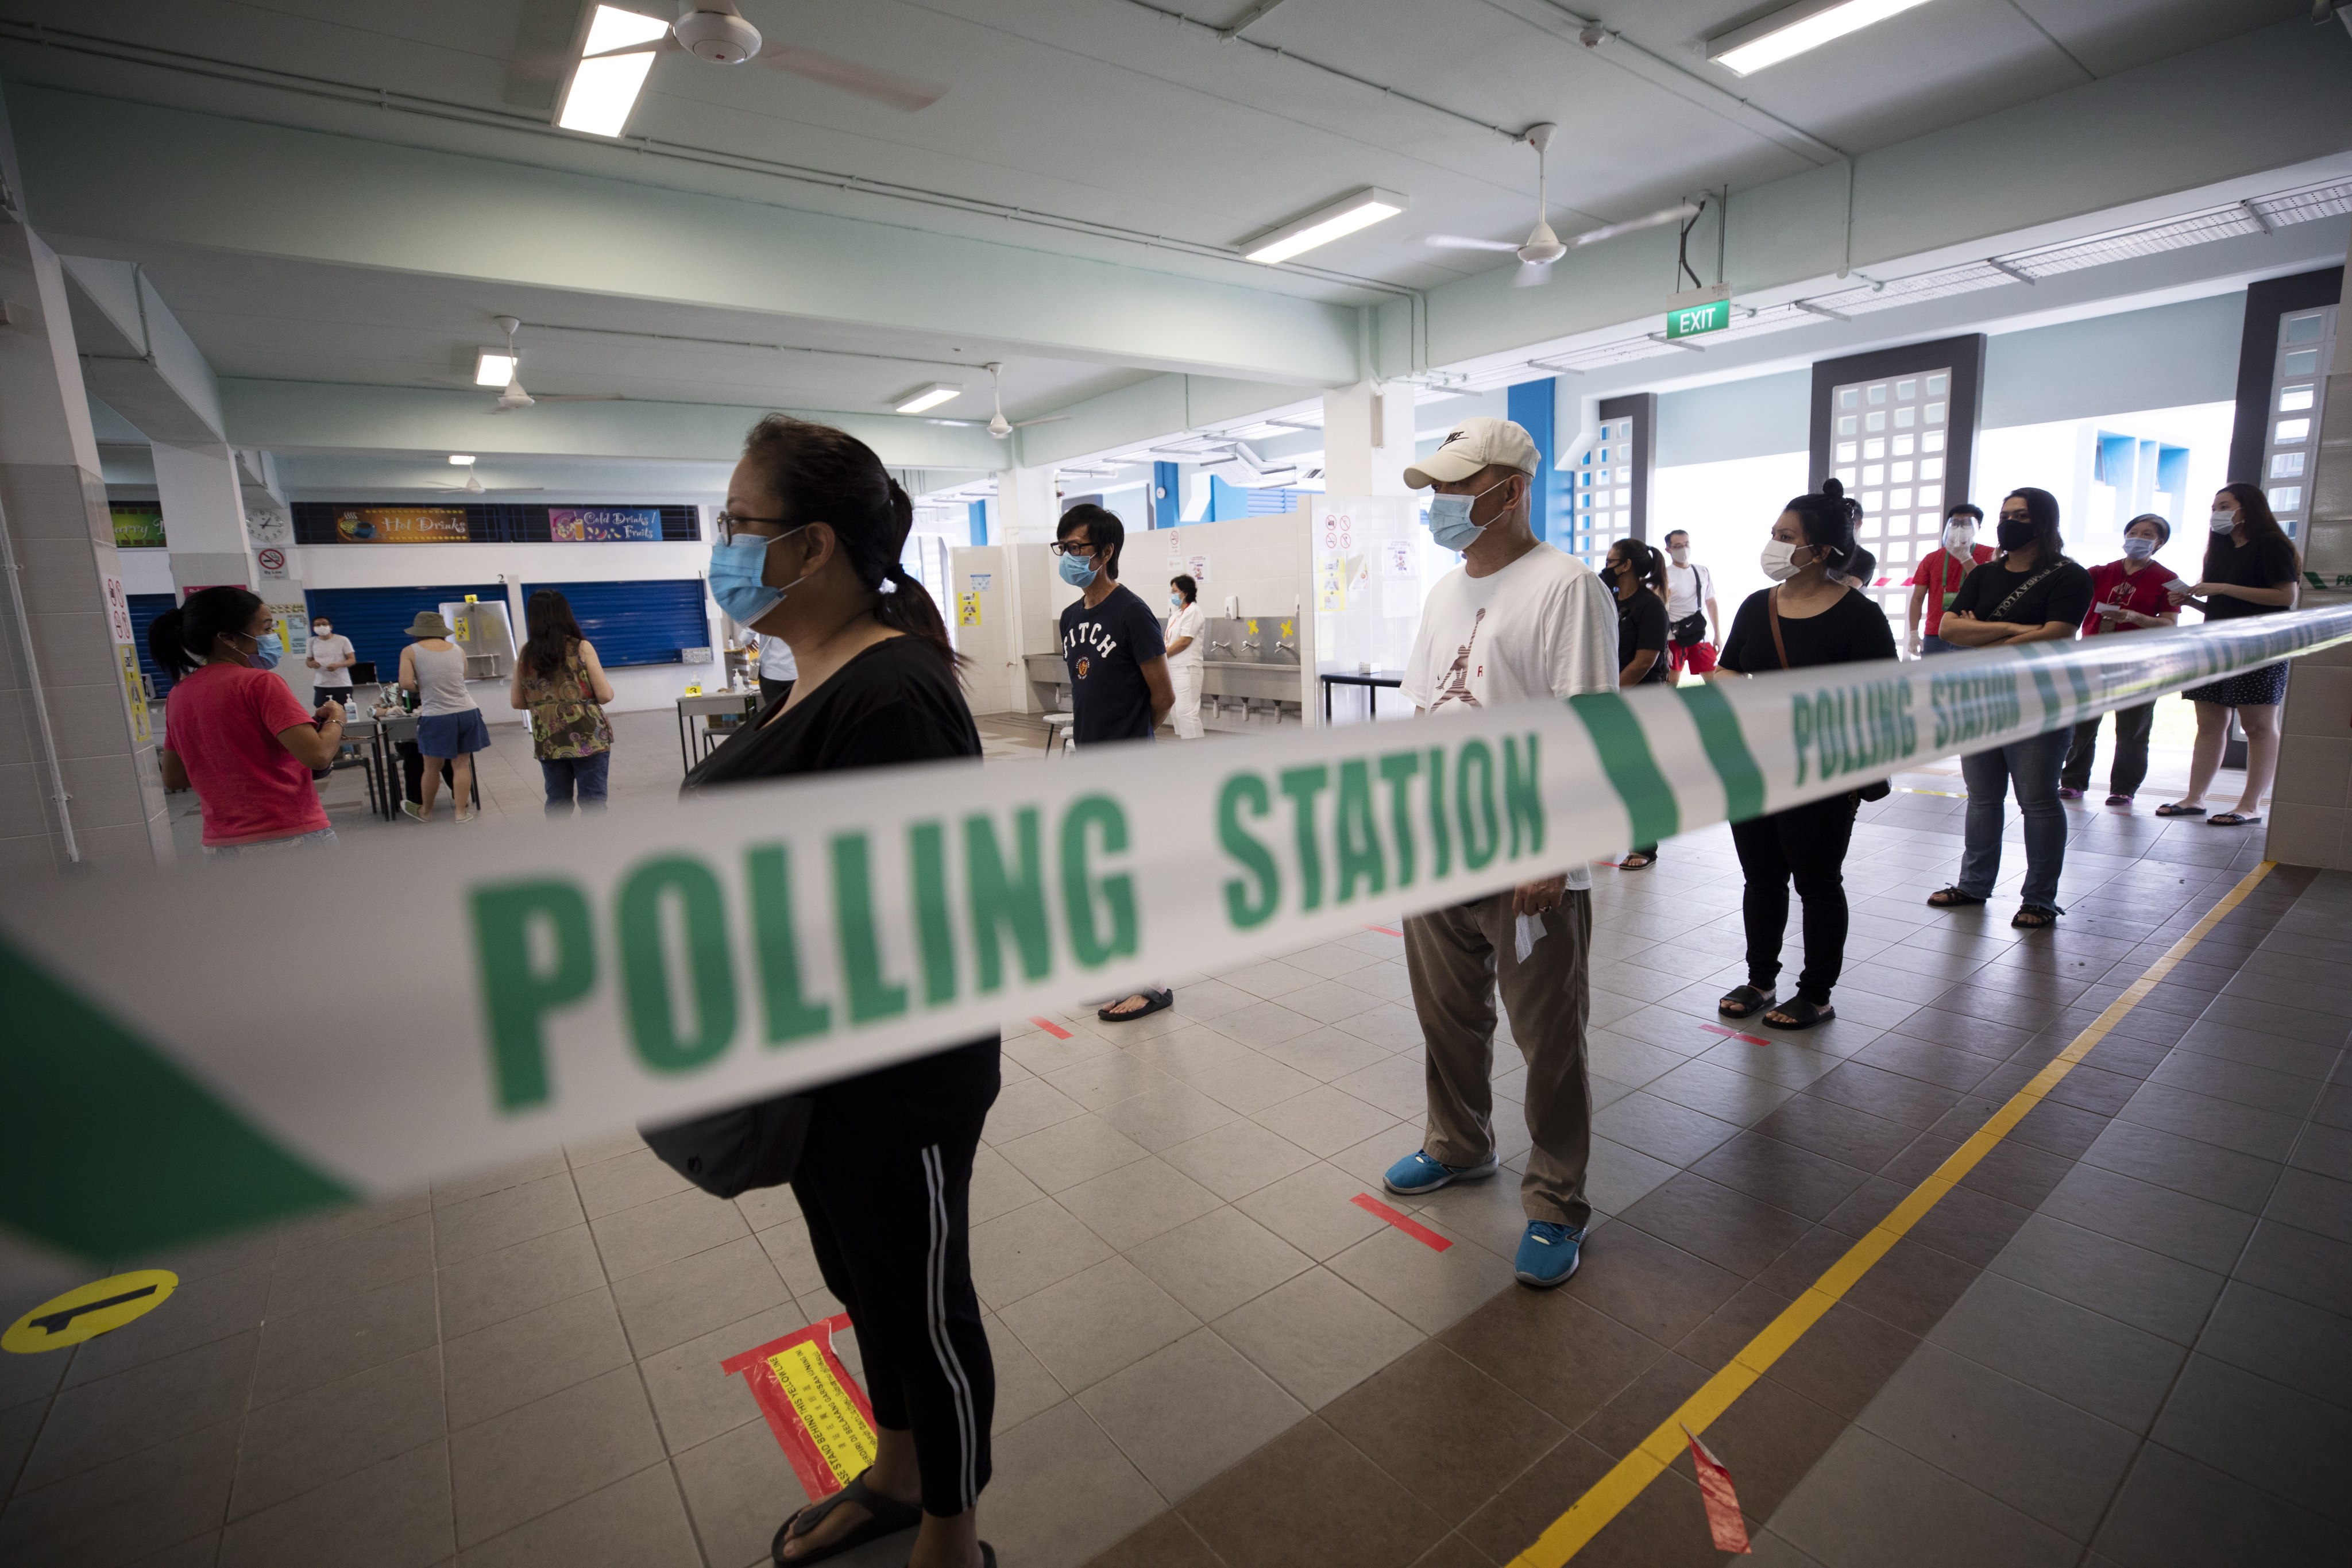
x,y
1648,1285
1730,1326
1844,1359
1849,1136
1665,1526
1453,1552
2018,1172
1964,1032
1309,1499
1767,1440
1449,1432
1912,1285
1783,1175
1870,1203
1619,1427
1920,1158
1971,1226
1553,1349
1886,1094
1795,1271
1947,1066
1166,1543
2061,1129
1730,1229
1526,1508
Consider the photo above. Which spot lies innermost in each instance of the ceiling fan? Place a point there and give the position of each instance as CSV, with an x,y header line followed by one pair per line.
x,y
714,32
1542,247
998,425
515,397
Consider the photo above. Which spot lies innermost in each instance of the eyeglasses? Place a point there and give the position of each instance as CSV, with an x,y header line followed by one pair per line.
x,y
1071,547
728,523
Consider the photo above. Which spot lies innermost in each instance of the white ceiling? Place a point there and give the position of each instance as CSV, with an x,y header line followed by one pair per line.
x,y
1115,115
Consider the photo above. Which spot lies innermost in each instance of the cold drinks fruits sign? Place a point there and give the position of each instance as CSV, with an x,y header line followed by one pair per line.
x,y
603,524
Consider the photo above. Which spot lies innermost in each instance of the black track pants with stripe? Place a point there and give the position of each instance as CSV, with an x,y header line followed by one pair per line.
x,y
886,1182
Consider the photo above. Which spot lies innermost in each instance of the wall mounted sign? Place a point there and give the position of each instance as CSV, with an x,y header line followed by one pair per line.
x,y
603,524
138,527
1712,317
273,563
400,525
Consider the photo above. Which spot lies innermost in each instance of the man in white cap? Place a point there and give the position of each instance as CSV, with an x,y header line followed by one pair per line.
x,y
1520,620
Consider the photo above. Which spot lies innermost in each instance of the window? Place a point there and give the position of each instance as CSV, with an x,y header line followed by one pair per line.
x,y
2291,430
639,622
2307,341
1901,520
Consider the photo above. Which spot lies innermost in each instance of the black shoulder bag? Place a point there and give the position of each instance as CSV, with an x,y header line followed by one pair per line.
x,y
733,1151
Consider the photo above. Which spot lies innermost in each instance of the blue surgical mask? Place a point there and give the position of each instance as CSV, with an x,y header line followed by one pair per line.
x,y
265,650
1449,518
1076,570
2139,549
736,567
1175,601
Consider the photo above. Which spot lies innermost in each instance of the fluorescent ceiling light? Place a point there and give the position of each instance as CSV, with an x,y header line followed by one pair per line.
x,y
493,367
461,459
1792,31
604,89
615,28
1358,209
929,397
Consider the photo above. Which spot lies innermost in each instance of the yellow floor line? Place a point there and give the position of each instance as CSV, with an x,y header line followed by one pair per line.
x,y
1591,1513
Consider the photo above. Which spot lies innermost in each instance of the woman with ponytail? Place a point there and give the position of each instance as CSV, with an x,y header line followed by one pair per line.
x,y
808,551
1807,618
235,732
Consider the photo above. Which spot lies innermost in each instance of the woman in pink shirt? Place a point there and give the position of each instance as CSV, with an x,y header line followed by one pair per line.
x,y
233,733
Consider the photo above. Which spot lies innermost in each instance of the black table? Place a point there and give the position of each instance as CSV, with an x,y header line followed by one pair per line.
x,y
1372,682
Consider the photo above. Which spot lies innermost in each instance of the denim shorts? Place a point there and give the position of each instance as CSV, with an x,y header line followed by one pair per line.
x,y
453,734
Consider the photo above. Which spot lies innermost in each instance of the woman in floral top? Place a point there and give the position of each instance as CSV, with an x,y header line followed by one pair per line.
x,y
557,678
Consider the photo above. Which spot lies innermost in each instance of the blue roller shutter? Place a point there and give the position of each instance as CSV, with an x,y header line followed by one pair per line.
x,y
376,619
643,621
144,608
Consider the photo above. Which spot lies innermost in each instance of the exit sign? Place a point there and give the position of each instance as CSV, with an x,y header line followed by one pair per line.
x,y
1711,317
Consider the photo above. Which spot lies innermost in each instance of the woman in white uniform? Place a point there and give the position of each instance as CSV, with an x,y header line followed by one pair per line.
x,y
1187,629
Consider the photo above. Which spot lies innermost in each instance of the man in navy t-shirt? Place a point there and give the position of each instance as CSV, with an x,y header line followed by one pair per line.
x,y
1119,687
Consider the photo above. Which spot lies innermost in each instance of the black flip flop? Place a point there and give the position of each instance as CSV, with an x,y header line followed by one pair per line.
x,y
1154,1001
1749,1000
2233,819
2169,809
1803,1015
1952,898
1637,859
884,1516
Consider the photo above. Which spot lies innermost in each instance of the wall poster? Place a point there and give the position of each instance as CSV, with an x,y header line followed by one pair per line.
x,y
400,525
603,524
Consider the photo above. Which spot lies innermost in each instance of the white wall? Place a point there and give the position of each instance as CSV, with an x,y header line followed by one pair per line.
x,y
1727,507
2056,456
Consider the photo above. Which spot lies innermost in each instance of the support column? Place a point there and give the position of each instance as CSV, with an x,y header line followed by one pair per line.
x,y
1367,438
203,516
78,783
1025,514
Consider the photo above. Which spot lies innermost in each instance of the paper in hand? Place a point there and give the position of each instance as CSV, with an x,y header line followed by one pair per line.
x,y
1530,931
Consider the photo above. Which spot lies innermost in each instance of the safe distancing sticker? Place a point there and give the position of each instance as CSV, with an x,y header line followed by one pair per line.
x,y
817,1411
88,1310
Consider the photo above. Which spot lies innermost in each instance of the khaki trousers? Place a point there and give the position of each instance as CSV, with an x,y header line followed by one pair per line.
x,y
1457,957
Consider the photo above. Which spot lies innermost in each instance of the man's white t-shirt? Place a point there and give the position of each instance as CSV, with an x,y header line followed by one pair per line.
x,y
1545,626
1688,588
326,651
776,661
1192,622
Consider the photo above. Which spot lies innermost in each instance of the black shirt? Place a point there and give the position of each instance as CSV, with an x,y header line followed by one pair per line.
x,y
1850,631
2064,595
1106,650
1641,624
2257,563
896,703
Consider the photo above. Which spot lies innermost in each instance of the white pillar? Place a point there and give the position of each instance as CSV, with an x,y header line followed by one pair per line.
x,y
203,516
1024,514
1367,438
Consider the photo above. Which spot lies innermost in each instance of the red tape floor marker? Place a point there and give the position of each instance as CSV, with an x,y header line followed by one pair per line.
x,y
1051,1028
815,1407
1420,1233
1722,1518
1733,1034
1385,930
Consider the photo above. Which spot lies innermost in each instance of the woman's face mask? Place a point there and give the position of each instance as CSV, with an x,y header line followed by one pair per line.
x,y
267,647
2016,533
2222,520
2139,548
738,570
1780,559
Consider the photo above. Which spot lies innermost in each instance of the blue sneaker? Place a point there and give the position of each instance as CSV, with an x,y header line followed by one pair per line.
x,y
1548,1254
1417,1173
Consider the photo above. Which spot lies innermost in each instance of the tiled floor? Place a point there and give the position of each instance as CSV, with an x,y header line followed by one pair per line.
x,y
2119,1341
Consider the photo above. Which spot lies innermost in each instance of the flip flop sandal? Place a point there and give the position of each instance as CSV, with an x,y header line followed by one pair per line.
x,y
2232,819
2170,810
1952,898
884,1516
1747,998
1636,860
1803,1015
1154,1001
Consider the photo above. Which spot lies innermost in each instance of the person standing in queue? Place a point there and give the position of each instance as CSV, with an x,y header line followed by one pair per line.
x,y
1188,631
2033,593
232,730
2126,594
1809,616
449,727
2250,570
559,681
1119,682
1518,620
808,551
777,670
330,660
1637,575
1939,576
1694,625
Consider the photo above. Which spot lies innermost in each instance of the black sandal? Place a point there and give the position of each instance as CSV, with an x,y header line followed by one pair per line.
x,y
1635,860
2170,809
2232,819
884,1516
2033,917
1744,1002
1154,1001
1952,898
1802,1015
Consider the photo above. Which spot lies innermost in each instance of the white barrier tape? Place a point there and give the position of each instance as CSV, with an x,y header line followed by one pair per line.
x,y
554,983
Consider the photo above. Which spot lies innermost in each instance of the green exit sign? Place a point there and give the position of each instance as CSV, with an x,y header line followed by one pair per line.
x,y
1711,317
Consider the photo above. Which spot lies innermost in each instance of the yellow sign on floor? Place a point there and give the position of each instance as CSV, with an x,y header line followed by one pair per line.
x,y
88,1310
835,1424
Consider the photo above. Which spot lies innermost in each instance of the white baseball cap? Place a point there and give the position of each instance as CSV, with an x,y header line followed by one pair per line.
x,y
1472,444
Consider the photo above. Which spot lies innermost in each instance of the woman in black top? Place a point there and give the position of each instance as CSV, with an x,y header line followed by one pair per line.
x,y
2250,570
2029,593
1804,619
1637,575
809,552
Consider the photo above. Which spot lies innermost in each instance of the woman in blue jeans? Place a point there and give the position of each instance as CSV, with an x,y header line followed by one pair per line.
x,y
2030,593
558,678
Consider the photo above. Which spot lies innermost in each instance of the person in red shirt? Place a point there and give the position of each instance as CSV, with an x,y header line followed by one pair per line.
x,y
233,733
1939,575
2126,594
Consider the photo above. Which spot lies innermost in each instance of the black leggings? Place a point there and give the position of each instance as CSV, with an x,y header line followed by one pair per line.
x,y
885,1183
1806,842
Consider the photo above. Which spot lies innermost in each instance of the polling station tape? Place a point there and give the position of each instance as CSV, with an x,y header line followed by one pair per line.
x,y
445,1002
